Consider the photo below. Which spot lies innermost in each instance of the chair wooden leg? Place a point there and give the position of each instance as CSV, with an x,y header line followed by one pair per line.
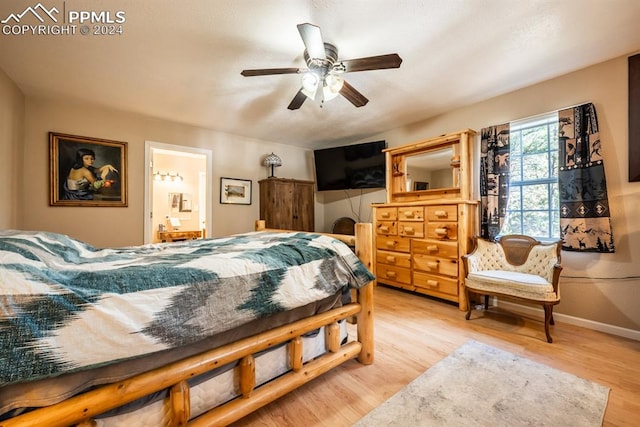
x,y
548,315
486,302
469,306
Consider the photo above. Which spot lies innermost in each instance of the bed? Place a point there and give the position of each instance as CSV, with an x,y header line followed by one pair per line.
x,y
143,335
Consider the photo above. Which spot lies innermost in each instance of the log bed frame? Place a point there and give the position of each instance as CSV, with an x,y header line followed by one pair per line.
x,y
80,409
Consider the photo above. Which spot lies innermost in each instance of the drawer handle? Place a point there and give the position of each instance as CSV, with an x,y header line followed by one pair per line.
x,y
442,231
391,274
432,283
385,214
409,230
391,259
409,214
384,228
433,265
441,214
391,243
432,248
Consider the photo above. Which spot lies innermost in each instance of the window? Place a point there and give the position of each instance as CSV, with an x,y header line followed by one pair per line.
x,y
533,207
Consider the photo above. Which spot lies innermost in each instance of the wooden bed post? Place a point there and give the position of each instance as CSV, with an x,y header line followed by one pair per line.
x,y
364,250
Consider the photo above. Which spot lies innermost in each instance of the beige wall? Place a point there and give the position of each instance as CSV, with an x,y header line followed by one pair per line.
x,y
11,126
600,287
233,156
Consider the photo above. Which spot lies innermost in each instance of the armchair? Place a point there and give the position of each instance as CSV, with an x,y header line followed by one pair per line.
x,y
516,267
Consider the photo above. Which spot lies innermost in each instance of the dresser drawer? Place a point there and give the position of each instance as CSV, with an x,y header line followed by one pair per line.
x,y
386,214
435,265
411,229
393,273
442,230
393,258
442,213
393,243
411,213
387,227
435,248
435,283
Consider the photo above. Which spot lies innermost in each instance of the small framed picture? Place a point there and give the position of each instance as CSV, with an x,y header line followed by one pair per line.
x,y
87,171
235,191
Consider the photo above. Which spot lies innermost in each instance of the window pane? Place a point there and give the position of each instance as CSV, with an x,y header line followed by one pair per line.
x,y
535,140
535,166
515,168
555,224
555,197
535,197
512,223
554,163
515,145
515,200
535,224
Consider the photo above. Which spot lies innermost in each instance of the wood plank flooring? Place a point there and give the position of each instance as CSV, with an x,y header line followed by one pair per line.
x,y
414,332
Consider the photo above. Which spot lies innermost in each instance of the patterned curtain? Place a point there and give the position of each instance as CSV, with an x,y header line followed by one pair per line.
x,y
585,223
494,179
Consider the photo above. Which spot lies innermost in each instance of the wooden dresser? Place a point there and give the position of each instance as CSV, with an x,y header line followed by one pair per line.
x,y
421,235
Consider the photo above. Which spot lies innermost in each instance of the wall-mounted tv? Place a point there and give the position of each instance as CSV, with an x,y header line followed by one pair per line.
x,y
350,166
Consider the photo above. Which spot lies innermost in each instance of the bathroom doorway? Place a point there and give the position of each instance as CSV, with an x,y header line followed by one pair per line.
x,y
178,190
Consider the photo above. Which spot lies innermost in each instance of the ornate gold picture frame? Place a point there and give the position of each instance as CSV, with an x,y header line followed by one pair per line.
x,y
87,171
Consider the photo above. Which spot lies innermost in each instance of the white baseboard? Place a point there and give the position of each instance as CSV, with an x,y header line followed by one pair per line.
x,y
538,313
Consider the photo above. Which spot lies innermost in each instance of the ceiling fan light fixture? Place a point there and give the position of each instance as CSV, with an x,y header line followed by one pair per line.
x,y
310,81
332,86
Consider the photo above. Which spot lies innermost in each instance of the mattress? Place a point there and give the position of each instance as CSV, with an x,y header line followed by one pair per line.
x,y
223,387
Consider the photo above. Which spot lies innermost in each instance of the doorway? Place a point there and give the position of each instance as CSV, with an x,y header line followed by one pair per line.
x,y
177,189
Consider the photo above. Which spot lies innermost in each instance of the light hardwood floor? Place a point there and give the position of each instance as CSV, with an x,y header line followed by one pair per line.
x,y
414,332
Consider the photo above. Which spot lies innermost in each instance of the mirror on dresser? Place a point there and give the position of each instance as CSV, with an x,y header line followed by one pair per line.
x,y
432,169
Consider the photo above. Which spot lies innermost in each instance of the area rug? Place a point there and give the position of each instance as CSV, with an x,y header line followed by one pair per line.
x,y
479,385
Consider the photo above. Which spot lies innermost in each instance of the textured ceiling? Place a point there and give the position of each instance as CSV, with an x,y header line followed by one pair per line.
x,y
181,61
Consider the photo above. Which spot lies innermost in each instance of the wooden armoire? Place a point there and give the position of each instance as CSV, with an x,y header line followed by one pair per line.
x,y
287,203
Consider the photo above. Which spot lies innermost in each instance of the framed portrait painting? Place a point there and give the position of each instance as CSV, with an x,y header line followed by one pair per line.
x,y
235,191
87,171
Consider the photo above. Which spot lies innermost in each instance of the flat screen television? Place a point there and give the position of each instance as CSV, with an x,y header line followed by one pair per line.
x,y
350,166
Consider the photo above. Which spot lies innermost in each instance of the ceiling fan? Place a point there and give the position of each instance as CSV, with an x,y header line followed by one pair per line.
x,y
323,80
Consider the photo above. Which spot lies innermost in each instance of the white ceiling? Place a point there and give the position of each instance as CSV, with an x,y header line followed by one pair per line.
x,y
181,61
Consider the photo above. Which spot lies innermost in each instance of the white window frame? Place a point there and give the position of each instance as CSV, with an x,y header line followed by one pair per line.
x,y
553,212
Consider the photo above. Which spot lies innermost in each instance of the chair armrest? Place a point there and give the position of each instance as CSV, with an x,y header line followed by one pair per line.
x,y
556,277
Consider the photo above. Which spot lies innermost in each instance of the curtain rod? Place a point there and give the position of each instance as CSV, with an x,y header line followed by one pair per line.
x,y
548,112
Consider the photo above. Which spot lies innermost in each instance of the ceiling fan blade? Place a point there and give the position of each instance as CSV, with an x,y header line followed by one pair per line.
x,y
391,60
352,95
297,100
270,71
312,39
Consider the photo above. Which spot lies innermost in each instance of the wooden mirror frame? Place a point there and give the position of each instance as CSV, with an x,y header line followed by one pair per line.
x,y
461,168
